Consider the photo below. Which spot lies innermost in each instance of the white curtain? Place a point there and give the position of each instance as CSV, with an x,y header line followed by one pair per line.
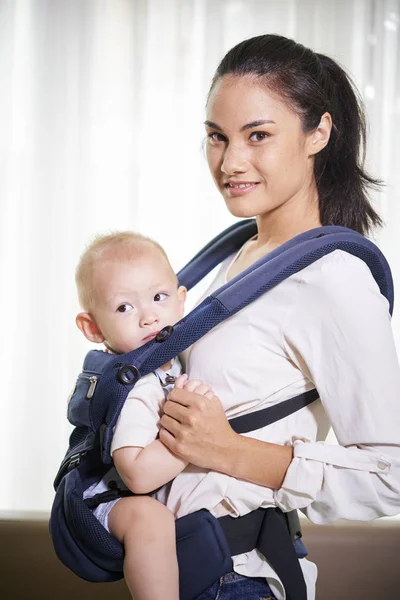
x,y
101,112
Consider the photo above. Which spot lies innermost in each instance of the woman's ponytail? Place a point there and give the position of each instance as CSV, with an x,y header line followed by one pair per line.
x,y
339,168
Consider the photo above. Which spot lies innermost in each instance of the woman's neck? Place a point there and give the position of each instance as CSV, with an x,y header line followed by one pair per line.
x,y
277,227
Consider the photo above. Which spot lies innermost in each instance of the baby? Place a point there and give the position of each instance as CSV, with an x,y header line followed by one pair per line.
x,y
129,292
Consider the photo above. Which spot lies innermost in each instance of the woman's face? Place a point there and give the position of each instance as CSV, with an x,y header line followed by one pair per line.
x,y
258,155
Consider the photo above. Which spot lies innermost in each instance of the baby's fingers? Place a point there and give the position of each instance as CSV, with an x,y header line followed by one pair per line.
x,y
192,384
180,381
202,389
198,387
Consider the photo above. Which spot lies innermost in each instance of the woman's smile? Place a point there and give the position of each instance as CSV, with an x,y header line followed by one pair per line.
x,y
240,188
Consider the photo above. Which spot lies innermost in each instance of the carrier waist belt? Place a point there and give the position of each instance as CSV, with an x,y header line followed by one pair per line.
x,y
267,530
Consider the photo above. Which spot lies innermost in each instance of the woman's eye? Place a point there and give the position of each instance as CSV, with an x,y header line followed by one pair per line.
x,y
258,136
216,137
160,297
124,308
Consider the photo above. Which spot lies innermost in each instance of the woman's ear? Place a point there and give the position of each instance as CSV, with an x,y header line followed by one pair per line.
x,y
89,328
320,136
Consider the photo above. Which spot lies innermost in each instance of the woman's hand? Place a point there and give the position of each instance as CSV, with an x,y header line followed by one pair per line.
x,y
194,425
195,428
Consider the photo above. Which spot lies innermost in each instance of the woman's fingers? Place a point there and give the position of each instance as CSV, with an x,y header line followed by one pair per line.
x,y
169,441
170,424
180,396
177,403
194,423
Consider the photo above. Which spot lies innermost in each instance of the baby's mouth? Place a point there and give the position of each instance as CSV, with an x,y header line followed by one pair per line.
x,y
150,337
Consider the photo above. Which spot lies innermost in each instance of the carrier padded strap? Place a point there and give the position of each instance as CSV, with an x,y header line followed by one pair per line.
x,y
298,253
291,257
266,529
216,251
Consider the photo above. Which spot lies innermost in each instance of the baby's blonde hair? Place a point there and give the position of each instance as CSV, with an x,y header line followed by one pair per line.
x,y
117,246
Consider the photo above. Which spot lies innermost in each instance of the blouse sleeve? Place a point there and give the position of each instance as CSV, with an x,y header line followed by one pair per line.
x,y
338,333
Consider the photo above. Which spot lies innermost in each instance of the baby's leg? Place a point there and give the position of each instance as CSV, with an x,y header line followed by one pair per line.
x,y
146,528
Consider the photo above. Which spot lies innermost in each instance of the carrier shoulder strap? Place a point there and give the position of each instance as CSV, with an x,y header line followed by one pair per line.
x,y
216,251
264,274
125,370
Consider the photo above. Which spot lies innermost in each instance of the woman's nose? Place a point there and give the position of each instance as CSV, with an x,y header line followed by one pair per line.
x,y
234,160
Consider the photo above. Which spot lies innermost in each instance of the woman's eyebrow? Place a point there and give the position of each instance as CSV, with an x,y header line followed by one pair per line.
x,y
256,124
244,128
212,125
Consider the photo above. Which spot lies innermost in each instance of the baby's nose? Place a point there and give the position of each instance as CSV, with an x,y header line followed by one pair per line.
x,y
148,319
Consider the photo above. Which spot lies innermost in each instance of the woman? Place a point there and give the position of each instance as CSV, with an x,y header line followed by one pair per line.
x,y
284,130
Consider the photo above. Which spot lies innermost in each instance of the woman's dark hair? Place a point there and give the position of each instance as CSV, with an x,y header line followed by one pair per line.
x,y
313,84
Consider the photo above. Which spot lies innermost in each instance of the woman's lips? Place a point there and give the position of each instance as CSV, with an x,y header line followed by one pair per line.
x,y
240,189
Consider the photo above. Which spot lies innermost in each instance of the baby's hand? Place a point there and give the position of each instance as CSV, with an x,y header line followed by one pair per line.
x,y
194,385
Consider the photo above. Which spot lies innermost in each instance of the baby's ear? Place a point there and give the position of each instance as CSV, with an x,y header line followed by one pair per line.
x,y
182,293
89,328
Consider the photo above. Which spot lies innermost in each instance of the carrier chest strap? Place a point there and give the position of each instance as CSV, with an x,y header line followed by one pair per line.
x,y
271,414
266,529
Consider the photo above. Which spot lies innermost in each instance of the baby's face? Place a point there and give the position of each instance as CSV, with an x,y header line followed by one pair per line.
x,y
135,299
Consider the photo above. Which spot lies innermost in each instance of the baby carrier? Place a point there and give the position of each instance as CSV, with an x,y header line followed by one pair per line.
x,y
205,544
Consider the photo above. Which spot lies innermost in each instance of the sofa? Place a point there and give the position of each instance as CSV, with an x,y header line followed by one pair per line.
x,y
356,561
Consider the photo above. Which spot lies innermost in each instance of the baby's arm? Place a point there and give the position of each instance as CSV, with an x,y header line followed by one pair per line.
x,y
146,469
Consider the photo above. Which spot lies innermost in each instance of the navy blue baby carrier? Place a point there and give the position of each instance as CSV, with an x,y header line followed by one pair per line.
x,y
205,544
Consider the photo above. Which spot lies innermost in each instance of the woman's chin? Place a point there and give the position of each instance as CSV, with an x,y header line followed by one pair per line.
x,y
241,212
245,207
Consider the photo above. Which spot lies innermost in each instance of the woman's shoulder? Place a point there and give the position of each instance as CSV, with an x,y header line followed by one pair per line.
x,y
337,267
338,280
332,278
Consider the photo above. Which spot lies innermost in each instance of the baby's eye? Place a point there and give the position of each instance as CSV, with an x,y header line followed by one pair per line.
x,y
160,297
124,308
258,136
216,137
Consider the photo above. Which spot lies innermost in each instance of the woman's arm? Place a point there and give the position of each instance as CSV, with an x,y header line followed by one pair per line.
x,y
338,333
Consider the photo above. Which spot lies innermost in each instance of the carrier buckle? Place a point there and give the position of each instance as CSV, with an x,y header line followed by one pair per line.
x,y
164,333
128,374
67,466
74,461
